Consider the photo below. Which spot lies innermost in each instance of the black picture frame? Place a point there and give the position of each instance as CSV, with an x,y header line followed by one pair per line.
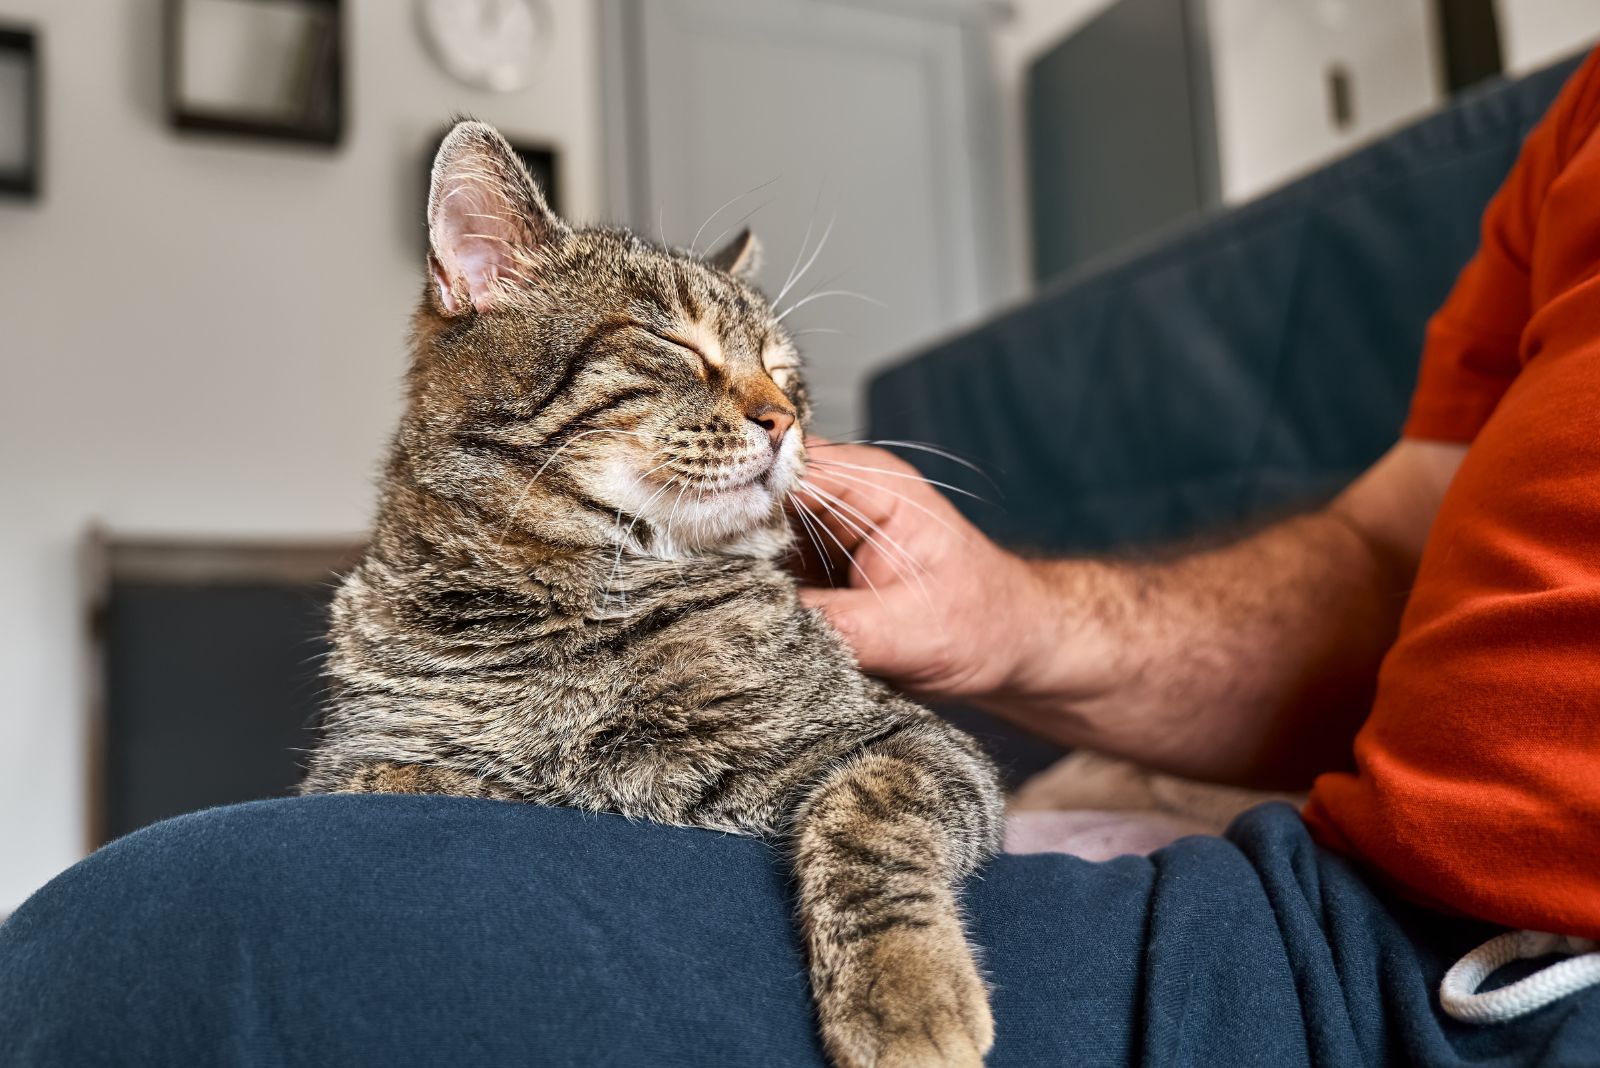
x,y
325,118
22,43
544,163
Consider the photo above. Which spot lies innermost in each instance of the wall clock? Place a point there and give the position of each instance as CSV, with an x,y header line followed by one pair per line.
x,y
496,45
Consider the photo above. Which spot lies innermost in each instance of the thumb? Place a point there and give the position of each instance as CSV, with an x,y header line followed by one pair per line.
x,y
850,612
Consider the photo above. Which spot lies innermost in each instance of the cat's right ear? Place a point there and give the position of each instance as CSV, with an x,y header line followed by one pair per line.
x,y
487,221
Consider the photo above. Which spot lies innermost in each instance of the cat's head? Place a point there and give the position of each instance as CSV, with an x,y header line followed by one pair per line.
x,y
587,386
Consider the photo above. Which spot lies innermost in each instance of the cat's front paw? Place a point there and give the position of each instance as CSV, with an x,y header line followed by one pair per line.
x,y
913,1000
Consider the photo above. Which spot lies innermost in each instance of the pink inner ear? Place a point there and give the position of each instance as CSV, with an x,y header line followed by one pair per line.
x,y
487,223
481,263
477,237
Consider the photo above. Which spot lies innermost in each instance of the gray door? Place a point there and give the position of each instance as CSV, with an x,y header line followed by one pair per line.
x,y
869,115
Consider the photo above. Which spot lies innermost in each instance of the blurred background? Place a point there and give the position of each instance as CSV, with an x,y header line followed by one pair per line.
x,y
211,239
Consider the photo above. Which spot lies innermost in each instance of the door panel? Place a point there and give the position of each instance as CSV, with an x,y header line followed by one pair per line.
x,y
822,113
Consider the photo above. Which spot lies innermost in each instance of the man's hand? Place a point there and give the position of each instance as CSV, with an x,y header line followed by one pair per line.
x,y
924,599
1251,663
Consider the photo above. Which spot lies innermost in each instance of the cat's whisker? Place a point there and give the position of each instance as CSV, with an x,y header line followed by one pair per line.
x,y
903,498
866,535
816,330
653,470
794,280
694,242
511,516
824,284
808,298
564,446
898,569
804,241
522,498
805,523
918,446
740,221
616,563
835,538
901,474
673,514
605,594
838,506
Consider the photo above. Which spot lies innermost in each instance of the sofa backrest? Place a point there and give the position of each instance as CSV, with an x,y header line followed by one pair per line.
x,y
1250,364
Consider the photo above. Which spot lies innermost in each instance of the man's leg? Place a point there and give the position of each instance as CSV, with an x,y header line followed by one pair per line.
x,y
414,930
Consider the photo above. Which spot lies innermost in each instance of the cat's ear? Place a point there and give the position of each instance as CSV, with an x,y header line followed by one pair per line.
x,y
487,220
740,257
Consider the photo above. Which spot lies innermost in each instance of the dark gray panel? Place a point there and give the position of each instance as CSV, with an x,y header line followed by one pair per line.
x,y
1119,133
211,693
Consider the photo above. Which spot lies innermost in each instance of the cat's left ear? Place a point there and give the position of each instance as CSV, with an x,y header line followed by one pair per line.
x,y
487,220
740,257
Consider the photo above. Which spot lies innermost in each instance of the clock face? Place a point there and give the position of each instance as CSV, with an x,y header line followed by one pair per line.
x,y
488,44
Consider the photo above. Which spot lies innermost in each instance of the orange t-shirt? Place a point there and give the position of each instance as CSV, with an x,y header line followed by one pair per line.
x,y
1478,781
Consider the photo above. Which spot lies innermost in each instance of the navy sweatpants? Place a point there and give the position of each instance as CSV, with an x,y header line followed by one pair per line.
x,y
365,930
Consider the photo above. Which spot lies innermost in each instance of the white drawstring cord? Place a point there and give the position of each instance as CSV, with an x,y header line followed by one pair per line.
x,y
1459,996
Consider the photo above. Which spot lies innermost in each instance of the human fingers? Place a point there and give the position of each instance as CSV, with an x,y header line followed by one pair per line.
x,y
860,620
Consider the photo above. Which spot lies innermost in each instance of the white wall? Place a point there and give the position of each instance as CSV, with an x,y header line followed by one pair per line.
x,y
1270,61
1536,32
201,336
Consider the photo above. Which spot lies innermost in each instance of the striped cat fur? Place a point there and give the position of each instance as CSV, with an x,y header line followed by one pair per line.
x,y
574,595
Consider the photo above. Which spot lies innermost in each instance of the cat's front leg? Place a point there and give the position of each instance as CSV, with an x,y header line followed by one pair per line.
x,y
878,847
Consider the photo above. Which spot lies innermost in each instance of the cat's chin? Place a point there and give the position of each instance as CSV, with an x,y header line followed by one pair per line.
x,y
732,517
687,517
742,513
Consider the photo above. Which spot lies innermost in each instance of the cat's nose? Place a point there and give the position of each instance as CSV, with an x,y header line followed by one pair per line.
x,y
775,420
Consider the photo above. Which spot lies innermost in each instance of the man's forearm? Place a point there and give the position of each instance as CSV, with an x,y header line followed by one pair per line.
x,y
1250,663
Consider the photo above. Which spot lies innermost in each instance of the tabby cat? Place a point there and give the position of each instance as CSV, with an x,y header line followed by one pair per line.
x,y
574,596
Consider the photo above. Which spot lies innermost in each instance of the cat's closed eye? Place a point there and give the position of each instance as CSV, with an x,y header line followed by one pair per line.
x,y
689,349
